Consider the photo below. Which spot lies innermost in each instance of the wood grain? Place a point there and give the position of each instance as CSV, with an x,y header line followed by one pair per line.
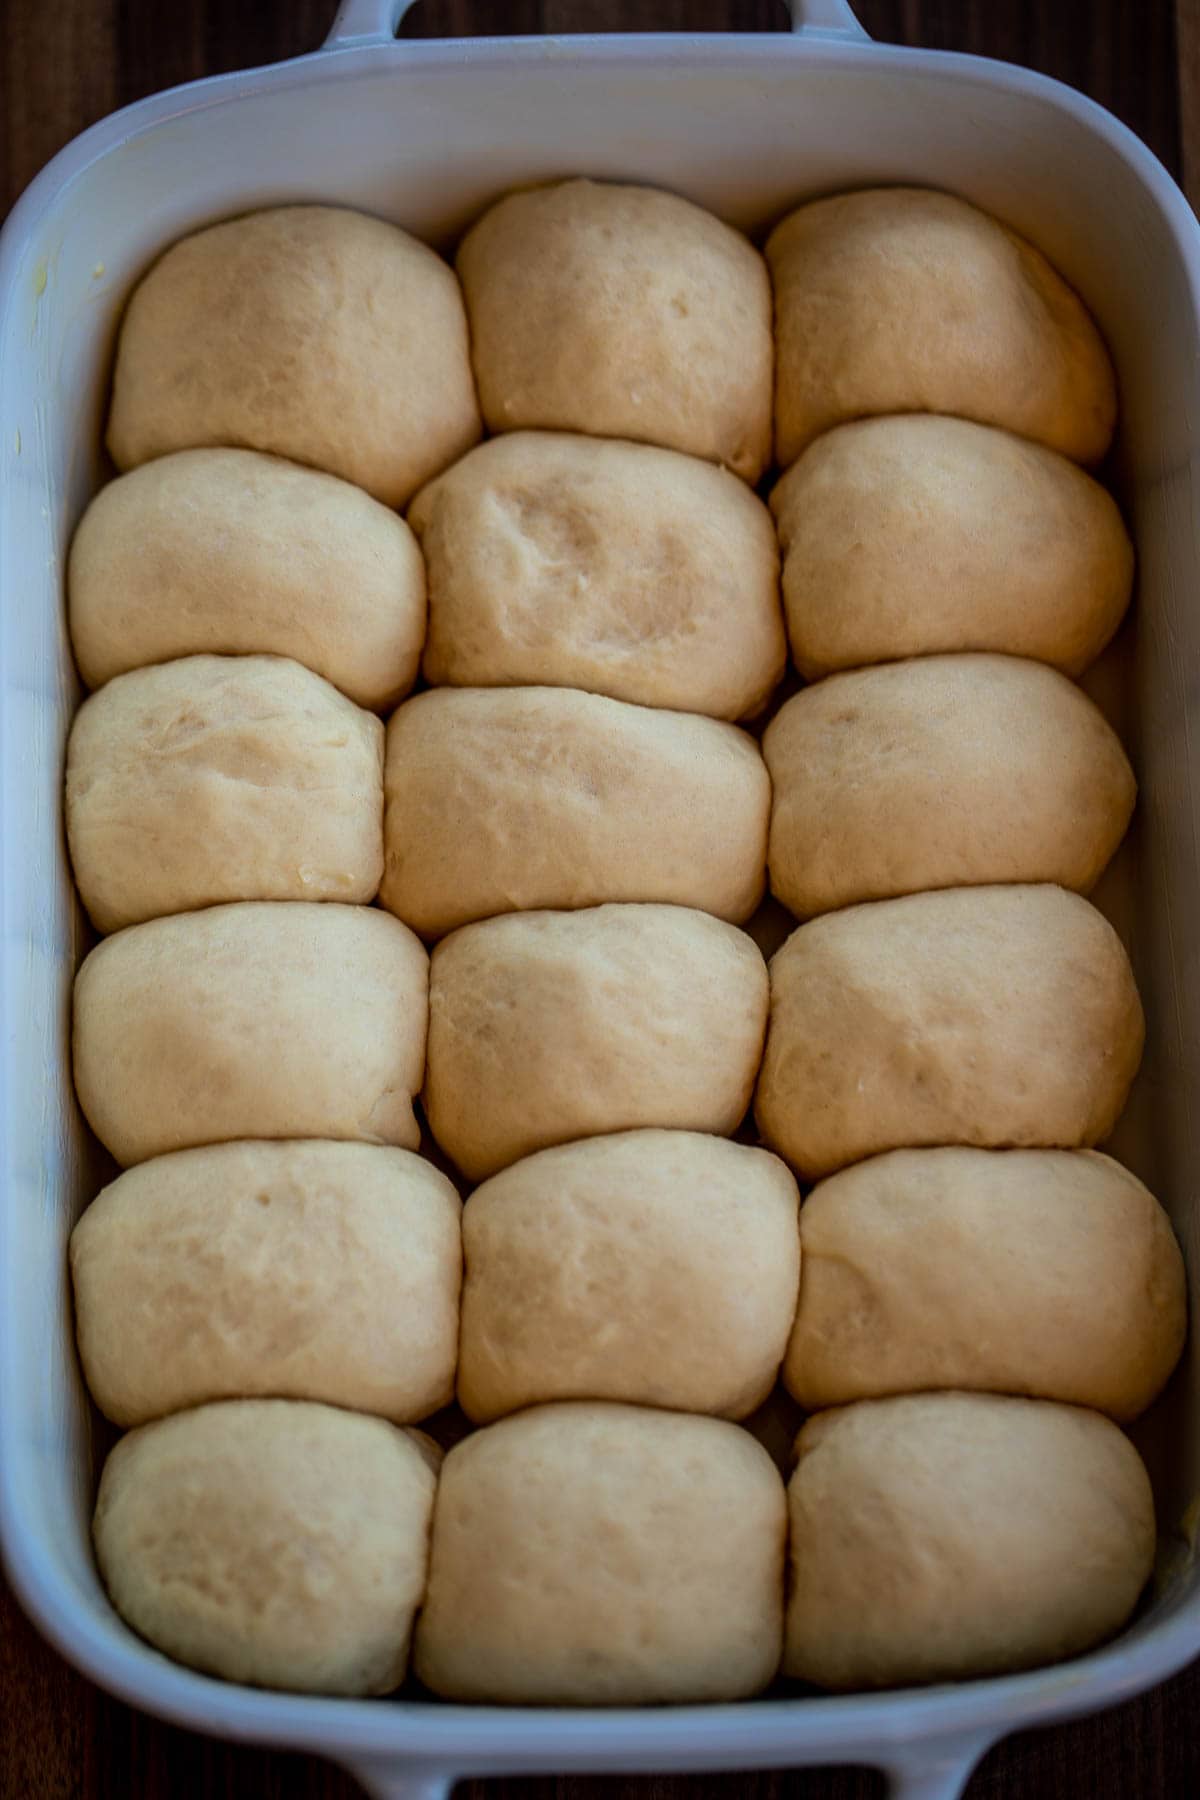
x,y
1187,32
67,63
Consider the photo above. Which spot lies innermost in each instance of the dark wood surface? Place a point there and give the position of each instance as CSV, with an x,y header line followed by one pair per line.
x,y
65,63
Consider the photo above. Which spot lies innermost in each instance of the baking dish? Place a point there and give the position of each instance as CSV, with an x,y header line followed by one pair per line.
x,y
425,133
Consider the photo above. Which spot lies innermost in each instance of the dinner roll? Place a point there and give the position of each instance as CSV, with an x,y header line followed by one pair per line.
x,y
222,778
310,331
1045,1272
918,533
575,562
254,1021
945,771
547,1026
659,1267
905,300
993,1016
624,312
593,1554
503,799
236,553
317,1271
271,1541
939,1536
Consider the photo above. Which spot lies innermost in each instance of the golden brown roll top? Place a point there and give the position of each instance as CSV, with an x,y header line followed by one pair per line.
x,y
917,533
567,561
505,799
624,312
312,332
937,1537
899,300
1051,1273
992,1016
234,553
263,1020
604,1555
304,1270
944,771
658,1267
221,778
271,1542
550,1026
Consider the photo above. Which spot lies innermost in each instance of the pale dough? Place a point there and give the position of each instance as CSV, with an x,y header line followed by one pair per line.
x,y
307,1270
943,771
1052,1273
503,799
546,1026
567,561
262,1020
313,332
659,1267
623,312
272,1542
233,552
896,300
942,1536
221,778
604,1555
993,1016
918,533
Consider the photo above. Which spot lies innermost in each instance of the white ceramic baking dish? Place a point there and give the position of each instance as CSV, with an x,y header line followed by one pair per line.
x,y
425,133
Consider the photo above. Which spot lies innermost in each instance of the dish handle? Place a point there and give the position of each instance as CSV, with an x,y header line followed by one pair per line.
x,y
938,1769
387,1778
360,23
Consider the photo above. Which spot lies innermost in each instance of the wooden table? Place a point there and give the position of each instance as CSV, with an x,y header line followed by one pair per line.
x,y
66,63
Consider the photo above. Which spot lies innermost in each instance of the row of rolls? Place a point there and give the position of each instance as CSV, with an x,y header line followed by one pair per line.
x,y
595,1553
563,836
592,603
607,1534
993,1016
650,1266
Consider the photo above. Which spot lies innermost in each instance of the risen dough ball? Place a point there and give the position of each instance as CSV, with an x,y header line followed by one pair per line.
x,y
905,300
232,552
604,1555
255,1021
945,771
623,312
548,1026
222,778
317,1271
271,1542
313,332
504,799
992,1016
940,1536
1045,1272
572,562
907,535
659,1267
